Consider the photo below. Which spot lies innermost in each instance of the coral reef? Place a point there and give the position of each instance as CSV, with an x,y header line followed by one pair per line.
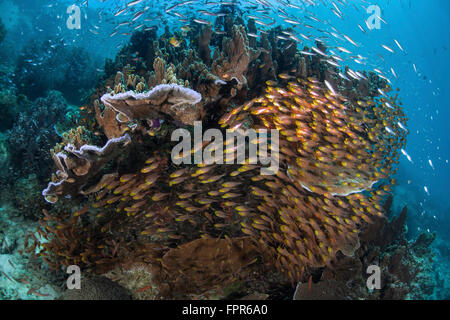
x,y
3,151
441,270
190,270
11,105
188,226
25,156
197,265
50,65
76,166
25,195
429,216
35,132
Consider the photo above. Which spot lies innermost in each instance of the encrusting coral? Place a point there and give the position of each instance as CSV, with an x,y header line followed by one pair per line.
x,y
338,148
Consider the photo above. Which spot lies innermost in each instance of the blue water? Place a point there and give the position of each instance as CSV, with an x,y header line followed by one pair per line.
x,y
420,26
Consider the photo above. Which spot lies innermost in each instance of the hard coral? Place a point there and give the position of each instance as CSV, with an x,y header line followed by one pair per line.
x,y
193,268
201,264
76,166
162,101
235,57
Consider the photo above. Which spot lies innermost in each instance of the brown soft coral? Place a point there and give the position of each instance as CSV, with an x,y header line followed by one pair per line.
x,y
204,263
196,267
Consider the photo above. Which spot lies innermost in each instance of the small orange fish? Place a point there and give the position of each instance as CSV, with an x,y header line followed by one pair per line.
x,y
143,289
175,42
21,280
36,293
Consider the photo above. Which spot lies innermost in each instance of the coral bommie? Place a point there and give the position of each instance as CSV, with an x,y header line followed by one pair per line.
x,y
338,149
